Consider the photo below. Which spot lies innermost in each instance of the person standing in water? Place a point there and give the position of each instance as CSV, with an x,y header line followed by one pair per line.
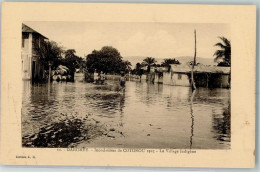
x,y
95,76
122,80
102,77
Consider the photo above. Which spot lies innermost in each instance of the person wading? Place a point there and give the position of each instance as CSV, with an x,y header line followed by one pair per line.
x,y
122,80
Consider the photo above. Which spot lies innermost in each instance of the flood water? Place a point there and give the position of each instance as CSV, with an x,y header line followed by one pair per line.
x,y
143,115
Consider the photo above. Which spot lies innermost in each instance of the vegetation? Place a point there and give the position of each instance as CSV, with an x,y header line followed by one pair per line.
x,y
72,61
167,62
138,69
223,56
49,53
148,61
107,60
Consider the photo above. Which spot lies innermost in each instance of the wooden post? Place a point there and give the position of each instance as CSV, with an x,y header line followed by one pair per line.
x,y
193,86
207,80
192,117
49,79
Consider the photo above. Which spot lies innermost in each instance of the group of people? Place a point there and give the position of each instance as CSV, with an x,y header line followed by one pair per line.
x,y
99,78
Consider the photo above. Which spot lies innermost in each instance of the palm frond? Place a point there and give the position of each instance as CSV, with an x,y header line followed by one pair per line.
x,y
225,40
220,45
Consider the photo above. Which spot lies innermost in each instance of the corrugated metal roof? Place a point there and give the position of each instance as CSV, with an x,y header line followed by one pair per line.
x,y
186,68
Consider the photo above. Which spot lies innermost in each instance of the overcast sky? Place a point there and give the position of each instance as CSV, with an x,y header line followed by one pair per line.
x,y
160,40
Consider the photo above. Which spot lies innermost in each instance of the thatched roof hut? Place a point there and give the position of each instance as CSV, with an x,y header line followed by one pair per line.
x,y
186,68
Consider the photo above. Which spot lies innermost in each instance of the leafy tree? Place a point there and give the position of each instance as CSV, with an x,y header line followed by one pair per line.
x,y
138,69
72,61
167,62
107,60
70,53
126,66
223,56
49,54
148,61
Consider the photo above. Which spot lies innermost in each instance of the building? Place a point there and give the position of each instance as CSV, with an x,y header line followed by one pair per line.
x,y
178,75
158,74
204,76
32,69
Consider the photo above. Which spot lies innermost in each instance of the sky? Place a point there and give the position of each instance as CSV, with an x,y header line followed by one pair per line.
x,y
159,40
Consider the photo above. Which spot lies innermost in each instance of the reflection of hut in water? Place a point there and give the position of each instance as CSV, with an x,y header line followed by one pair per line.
x,y
204,76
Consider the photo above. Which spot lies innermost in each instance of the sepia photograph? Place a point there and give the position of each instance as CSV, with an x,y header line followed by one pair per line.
x,y
128,85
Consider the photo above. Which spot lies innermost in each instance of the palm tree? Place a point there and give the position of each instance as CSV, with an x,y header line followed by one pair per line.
x,y
148,61
167,62
127,65
223,56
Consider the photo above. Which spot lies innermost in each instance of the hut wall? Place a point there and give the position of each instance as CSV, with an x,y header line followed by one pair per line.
x,y
143,77
213,80
180,79
158,78
225,81
150,77
167,78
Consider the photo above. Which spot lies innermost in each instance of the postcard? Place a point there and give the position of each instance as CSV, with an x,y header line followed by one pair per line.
x,y
158,85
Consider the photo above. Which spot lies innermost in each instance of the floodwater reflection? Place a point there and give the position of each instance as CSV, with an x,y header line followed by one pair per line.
x,y
141,115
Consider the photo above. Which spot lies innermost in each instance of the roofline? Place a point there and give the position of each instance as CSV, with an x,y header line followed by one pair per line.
x,y
33,31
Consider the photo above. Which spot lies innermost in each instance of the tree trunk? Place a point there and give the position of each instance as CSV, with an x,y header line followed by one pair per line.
x,y
193,86
49,79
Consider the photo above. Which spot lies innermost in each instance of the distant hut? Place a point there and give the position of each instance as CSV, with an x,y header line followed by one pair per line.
x,y
204,76
178,75
158,78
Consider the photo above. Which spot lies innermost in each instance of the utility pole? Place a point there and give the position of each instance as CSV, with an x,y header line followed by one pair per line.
x,y
193,86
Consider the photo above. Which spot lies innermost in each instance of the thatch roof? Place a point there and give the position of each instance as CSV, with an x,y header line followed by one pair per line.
x,y
61,67
180,68
26,28
186,68
159,69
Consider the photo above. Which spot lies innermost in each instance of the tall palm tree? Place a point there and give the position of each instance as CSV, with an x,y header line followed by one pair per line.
x,y
148,61
223,56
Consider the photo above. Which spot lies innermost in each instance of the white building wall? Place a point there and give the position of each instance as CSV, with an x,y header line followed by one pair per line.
x,y
167,78
143,77
27,58
180,79
176,79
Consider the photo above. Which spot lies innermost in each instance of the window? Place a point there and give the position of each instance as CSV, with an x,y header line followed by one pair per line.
x,y
179,76
24,36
